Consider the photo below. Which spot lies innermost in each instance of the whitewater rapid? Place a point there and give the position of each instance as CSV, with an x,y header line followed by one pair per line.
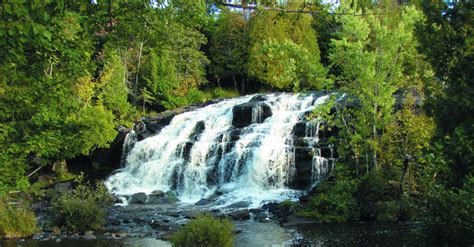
x,y
198,155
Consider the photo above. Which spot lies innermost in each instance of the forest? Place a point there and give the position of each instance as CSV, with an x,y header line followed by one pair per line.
x,y
72,72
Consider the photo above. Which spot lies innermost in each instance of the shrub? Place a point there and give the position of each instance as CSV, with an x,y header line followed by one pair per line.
x,y
450,213
288,207
370,194
332,203
84,208
205,230
16,221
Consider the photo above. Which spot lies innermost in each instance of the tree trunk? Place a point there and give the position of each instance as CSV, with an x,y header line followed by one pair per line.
x,y
243,84
136,75
235,82
367,162
374,132
406,162
357,166
218,80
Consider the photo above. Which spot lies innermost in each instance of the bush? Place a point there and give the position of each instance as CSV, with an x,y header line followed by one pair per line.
x,y
450,213
205,230
332,203
84,208
16,221
371,194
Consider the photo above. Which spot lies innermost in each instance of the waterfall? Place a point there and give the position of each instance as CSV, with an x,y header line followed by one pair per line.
x,y
130,140
216,148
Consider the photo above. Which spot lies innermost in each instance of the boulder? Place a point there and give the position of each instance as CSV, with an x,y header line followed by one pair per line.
x,y
62,187
158,193
156,197
260,216
266,220
258,98
157,224
55,231
299,130
89,235
241,204
202,202
256,210
251,112
138,198
240,215
233,135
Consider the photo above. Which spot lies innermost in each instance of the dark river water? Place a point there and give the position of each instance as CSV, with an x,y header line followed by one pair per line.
x,y
271,234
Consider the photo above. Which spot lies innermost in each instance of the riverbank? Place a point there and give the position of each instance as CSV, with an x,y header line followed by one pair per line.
x,y
253,233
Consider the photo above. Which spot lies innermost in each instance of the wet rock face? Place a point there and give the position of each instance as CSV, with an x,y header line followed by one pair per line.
x,y
251,112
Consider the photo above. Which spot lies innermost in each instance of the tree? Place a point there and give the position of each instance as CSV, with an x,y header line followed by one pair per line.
x,y
284,51
447,39
372,53
229,47
286,66
49,107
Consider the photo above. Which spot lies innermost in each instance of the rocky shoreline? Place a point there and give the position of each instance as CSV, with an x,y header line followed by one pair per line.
x,y
157,215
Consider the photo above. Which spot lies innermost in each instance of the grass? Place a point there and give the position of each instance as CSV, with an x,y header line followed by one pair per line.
x,y
16,221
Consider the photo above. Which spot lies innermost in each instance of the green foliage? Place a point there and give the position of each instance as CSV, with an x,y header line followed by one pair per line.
x,y
205,230
229,46
288,206
284,51
333,201
448,213
220,93
286,66
372,54
114,92
447,39
84,208
334,205
16,221
49,106
372,190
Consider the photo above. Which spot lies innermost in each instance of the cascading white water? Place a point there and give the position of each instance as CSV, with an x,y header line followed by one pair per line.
x,y
197,153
